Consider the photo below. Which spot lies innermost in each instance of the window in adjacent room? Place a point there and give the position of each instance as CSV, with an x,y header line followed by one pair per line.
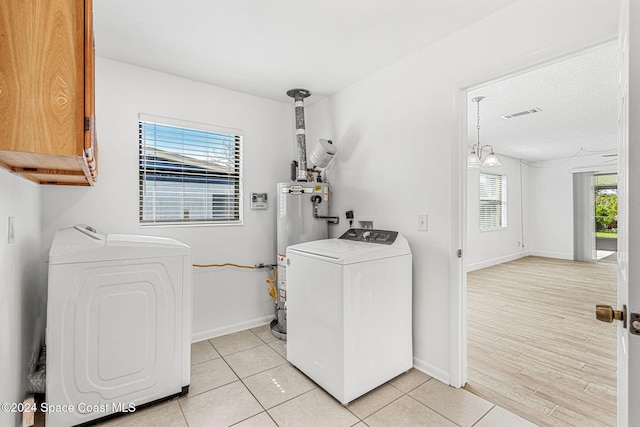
x,y
190,173
493,202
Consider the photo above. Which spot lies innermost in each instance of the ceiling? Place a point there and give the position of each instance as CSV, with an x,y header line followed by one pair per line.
x,y
578,99
265,48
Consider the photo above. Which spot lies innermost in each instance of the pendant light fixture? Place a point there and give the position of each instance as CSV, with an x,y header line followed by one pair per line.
x,y
474,159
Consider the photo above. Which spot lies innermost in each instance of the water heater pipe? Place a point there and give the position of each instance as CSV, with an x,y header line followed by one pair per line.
x,y
299,95
316,200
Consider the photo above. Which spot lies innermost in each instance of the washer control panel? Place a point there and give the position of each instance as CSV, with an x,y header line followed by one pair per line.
x,y
369,235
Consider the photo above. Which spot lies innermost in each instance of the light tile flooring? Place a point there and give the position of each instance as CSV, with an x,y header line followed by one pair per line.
x,y
243,379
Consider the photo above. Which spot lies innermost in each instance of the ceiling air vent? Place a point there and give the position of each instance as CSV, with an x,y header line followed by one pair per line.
x,y
521,113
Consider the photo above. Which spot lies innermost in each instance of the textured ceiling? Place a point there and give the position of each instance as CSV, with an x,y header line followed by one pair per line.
x,y
578,98
265,48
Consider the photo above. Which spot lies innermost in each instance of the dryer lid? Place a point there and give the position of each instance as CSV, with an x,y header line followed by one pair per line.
x,y
82,243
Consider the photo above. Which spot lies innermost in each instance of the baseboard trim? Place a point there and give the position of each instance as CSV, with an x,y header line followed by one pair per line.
x,y
431,370
229,329
494,261
547,254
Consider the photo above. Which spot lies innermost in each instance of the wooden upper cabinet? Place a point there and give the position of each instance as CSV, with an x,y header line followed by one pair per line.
x,y
47,109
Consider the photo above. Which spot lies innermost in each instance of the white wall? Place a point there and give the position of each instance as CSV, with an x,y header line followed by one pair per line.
x,y
225,299
549,199
22,314
546,228
399,139
487,248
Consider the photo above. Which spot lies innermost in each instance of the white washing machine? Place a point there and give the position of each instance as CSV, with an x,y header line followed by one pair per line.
x,y
118,323
349,310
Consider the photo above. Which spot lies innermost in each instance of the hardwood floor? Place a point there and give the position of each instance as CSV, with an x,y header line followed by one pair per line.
x,y
534,345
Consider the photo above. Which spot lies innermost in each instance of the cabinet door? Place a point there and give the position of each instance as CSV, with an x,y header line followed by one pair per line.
x,y
47,124
90,140
42,76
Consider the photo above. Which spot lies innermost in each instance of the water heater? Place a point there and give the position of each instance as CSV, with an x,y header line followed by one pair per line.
x,y
302,206
302,216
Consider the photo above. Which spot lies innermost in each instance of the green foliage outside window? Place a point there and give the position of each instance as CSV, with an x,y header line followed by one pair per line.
x,y
606,213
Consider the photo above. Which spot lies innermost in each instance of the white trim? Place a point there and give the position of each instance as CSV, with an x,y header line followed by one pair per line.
x,y
548,254
432,371
229,329
457,376
596,169
494,261
187,123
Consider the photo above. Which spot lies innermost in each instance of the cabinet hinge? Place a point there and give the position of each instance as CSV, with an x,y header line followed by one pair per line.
x,y
459,253
87,123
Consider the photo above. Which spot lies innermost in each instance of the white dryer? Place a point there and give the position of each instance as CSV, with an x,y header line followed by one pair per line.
x,y
349,310
118,323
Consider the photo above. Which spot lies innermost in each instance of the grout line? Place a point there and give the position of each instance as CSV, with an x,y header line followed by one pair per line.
x,y
182,412
487,413
388,404
232,370
259,372
301,394
431,409
205,361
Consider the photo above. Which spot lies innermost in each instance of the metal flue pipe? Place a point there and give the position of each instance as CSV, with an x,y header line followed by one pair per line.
x,y
299,95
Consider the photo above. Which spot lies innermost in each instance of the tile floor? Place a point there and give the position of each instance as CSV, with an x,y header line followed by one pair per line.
x,y
243,379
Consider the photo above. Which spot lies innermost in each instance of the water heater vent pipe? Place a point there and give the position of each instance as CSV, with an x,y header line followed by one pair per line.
x,y
299,95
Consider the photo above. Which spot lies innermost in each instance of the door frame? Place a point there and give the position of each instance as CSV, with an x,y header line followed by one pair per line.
x,y
458,235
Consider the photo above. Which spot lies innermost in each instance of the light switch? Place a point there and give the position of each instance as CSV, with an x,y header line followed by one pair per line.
x,y
11,230
423,222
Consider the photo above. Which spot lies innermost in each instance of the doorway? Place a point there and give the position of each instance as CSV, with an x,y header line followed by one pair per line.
x,y
537,263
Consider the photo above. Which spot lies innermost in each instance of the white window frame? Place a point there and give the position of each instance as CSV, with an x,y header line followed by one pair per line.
x,y
493,201
189,173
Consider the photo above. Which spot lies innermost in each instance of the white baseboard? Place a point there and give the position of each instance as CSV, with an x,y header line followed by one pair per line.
x,y
229,329
431,370
548,254
494,261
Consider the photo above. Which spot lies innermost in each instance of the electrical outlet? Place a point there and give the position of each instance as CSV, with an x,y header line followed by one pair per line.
x,y
11,229
423,222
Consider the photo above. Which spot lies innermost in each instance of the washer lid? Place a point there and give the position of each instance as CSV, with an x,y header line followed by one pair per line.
x,y
349,252
82,243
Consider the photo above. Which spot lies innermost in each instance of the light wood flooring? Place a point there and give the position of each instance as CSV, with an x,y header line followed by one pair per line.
x,y
534,345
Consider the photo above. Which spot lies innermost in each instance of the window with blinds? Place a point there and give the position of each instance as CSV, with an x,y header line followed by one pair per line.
x,y
189,173
493,202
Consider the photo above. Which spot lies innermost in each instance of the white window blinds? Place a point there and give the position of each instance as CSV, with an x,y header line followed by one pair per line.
x,y
188,173
493,202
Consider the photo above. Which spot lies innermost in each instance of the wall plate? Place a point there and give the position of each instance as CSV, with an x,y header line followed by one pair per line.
x,y
11,230
259,201
423,222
